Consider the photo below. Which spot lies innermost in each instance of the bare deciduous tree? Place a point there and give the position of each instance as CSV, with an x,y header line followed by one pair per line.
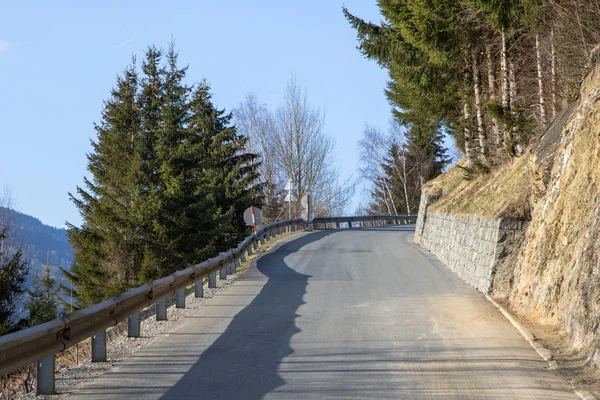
x,y
293,145
254,121
305,153
373,148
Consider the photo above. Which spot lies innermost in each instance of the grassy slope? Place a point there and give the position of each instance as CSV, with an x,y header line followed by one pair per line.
x,y
501,193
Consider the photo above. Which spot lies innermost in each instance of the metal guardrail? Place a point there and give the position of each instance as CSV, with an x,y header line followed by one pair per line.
x,y
363,219
40,343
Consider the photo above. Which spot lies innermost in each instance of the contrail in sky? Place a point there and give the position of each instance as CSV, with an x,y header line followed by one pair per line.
x,y
127,41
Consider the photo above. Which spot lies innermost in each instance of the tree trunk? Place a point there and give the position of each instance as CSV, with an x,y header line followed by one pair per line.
x,y
553,72
540,81
513,109
391,197
491,75
468,135
478,110
505,85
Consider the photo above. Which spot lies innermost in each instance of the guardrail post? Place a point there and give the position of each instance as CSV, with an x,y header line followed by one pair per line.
x,y
45,375
236,264
212,279
180,299
262,239
161,310
337,224
99,347
279,230
349,224
268,236
199,288
255,245
223,272
315,226
243,257
133,325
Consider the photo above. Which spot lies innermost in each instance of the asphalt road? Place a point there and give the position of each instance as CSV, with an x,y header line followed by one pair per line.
x,y
360,313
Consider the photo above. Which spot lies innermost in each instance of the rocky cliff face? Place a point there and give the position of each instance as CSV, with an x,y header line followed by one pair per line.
x,y
556,271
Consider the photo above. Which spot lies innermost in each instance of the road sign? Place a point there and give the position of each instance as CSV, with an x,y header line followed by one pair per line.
x,y
308,217
307,213
253,216
290,197
304,201
289,187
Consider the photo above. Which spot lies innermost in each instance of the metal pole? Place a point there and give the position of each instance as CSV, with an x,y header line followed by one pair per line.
x,y
199,288
212,279
161,310
45,375
180,299
99,347
133,325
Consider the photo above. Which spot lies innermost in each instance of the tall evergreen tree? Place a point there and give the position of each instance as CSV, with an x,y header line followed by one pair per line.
x,y
424,95
232,172
13,271
108,248
170,181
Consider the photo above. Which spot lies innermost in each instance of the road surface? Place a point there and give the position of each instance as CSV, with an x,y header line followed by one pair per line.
x,y
361,313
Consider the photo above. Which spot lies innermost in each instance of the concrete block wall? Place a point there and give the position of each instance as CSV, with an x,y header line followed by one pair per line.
x,y
472,247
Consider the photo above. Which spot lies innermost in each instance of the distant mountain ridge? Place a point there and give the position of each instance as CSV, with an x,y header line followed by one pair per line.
x,y
42,242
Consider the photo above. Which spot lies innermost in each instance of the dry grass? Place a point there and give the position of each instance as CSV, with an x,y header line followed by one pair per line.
x,y
502,193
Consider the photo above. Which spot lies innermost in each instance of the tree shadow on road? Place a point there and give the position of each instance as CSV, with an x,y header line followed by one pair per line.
x,y
243,362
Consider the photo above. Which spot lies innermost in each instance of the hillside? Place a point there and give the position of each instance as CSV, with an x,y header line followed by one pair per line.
x,y
42,242
552,279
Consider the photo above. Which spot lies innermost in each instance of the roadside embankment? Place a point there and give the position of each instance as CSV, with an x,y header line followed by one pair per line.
x,y
547,274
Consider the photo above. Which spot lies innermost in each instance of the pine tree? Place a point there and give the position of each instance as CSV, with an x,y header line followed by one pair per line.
x,y
42,304
232,173
108,248
424,95
13,271
170,181
186,221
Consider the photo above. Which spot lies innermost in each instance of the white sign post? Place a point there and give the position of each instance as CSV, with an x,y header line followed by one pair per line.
x,y
290,197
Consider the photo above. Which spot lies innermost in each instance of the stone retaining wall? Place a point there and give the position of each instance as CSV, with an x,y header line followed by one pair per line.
x,y
472,247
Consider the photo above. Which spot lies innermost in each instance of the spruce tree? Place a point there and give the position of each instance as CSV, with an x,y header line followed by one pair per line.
x,y
231,172
42,304
170,181
13,272
423,85
108,247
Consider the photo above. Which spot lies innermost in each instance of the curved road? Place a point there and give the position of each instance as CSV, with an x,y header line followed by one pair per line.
x,y
361,313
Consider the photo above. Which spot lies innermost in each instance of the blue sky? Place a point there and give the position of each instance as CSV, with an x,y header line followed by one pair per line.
x,y
59,60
